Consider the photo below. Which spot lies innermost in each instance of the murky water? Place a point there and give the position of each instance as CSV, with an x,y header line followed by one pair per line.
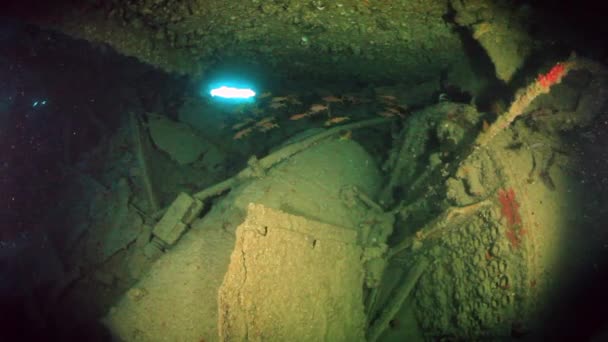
x,y
454,149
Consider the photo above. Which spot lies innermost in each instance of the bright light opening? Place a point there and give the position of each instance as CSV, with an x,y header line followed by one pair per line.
x,y
232,93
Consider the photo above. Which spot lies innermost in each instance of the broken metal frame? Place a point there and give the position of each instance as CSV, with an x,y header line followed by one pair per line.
x,y
401,294
173,221
452,216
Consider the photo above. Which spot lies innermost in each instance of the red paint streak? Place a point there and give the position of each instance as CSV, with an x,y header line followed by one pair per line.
x,y
514,237
509,207
510,211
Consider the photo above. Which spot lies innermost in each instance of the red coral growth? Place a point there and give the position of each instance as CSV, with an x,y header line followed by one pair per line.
x,y
509,207
553,76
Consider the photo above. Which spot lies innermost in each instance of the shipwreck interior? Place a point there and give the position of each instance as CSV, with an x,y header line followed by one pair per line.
x,y
284,170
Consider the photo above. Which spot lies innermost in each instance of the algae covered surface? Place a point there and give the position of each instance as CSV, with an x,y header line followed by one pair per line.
x,y
379,187
330,40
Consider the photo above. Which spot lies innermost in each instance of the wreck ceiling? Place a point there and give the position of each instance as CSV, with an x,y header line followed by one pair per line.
x,y
368,40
